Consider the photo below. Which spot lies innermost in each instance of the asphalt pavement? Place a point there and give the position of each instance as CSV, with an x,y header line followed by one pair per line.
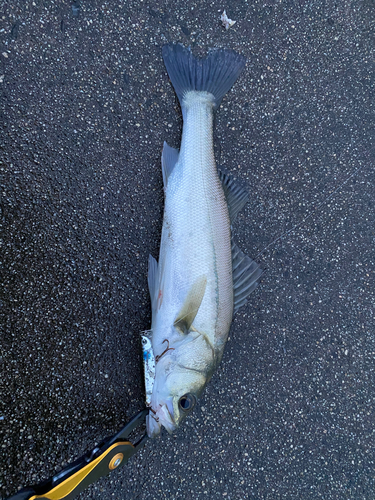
x,y
85,107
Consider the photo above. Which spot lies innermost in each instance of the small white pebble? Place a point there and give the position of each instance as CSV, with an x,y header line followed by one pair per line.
x,y
227,23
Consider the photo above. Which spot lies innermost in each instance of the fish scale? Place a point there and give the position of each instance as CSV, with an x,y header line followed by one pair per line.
x,y
196,232
193,293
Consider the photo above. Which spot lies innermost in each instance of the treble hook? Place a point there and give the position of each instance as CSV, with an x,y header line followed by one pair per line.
x,y
154,412
166,350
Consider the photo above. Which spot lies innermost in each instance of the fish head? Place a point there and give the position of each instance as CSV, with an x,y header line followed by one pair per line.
x,y
174,396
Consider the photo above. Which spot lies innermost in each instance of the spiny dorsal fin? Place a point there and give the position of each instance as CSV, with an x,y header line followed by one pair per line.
x,y
236,196
190,307
153,281
246,274
169,158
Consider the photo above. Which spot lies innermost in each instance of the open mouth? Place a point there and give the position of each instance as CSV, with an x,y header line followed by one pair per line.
x,y
157,418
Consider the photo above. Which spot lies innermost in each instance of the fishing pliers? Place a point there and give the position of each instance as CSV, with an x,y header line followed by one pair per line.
x,y
109,455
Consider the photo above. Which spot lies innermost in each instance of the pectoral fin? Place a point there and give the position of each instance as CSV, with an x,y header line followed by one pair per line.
x,y
190,307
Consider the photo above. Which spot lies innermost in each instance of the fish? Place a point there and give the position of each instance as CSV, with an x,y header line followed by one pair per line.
x,y
202,278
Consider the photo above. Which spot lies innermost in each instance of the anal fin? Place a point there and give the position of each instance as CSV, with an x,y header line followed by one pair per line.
x,y
169,158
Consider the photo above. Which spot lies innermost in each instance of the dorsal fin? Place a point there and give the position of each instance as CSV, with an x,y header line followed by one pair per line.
x,y
236,196
246,274
191,305
153,281
169,158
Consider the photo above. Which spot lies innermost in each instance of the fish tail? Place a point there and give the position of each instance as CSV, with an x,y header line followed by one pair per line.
x,y
214,74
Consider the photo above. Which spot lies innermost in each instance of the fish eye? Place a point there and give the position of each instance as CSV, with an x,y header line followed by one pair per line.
x,y
187,402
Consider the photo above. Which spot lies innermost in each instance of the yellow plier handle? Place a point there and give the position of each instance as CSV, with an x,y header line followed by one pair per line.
x,y
109,455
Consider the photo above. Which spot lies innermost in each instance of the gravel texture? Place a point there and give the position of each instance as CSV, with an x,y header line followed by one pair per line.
x,y
86,105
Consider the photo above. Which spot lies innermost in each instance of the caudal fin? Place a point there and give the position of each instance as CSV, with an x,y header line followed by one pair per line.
x,y
214,74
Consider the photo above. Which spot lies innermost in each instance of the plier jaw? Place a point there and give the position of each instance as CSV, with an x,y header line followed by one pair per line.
x,y
107,456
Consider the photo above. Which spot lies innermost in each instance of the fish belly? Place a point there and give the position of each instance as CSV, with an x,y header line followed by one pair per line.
x,y
196,239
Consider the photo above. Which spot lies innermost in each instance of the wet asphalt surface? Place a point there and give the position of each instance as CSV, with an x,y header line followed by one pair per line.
x,y
86,105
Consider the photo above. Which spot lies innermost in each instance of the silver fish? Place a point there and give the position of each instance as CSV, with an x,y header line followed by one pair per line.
x,y
202,277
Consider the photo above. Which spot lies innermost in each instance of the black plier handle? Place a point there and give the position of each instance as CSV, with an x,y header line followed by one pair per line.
x,y
109,455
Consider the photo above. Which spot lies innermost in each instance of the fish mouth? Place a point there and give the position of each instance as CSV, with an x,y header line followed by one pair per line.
x,y
158,417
